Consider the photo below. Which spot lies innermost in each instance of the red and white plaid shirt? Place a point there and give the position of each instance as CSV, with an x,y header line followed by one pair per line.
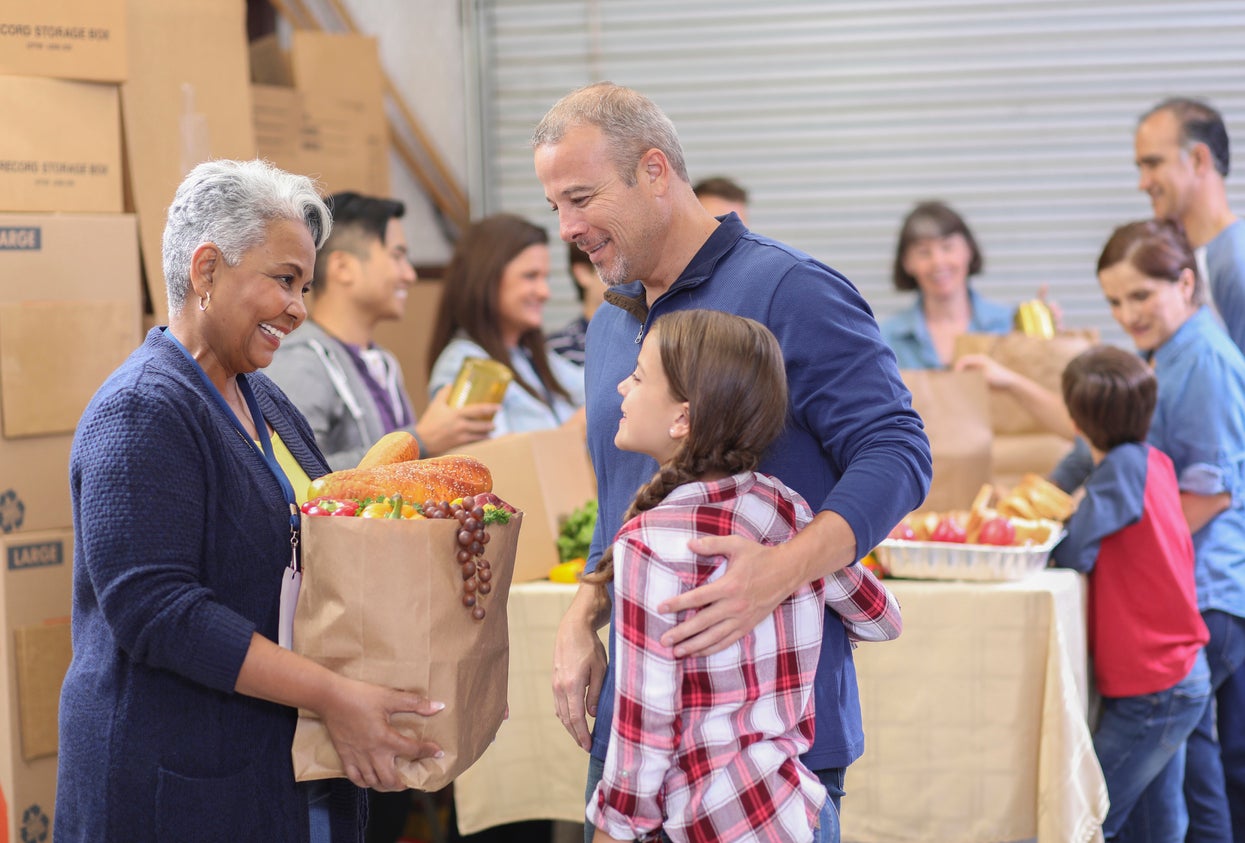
x,y
707,748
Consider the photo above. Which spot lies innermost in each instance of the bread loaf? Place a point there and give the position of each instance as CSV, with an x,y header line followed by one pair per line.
x,y
439,479
398,446
1036,497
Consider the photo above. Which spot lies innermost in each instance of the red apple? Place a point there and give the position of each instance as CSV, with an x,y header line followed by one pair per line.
x,y
997,531
948,530
903,532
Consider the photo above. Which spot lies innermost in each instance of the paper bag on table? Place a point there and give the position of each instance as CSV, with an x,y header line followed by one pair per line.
x,y
956,411
381,601
1040,359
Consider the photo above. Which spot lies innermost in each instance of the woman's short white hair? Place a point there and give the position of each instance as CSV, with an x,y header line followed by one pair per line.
x,y
231,203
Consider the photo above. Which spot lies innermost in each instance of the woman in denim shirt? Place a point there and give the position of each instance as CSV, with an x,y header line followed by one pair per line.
x,y
936,256
496,286
1149,277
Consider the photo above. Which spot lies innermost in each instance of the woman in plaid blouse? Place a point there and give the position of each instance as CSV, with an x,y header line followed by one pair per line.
x,y
707,748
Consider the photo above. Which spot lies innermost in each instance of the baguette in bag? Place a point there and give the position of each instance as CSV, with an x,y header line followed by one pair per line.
x,y
397,446
439,479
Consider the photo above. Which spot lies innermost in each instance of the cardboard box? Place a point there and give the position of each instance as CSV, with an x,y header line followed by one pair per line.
x,y
341,131
547,475
60,146
34,484
187,100
320,137
36,577
270,64
43,389
73,321
345,126
71,316
67,39
337,147
278,119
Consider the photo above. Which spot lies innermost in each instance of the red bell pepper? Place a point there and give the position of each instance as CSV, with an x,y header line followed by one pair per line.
x,y
330,506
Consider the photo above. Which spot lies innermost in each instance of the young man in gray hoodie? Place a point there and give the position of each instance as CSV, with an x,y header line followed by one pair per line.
x,y
350,389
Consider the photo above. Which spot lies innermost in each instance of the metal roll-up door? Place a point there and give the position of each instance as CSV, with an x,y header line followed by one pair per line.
x,y
838,116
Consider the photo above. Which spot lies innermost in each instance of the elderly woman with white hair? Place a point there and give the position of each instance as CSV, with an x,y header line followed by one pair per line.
x,y
178,710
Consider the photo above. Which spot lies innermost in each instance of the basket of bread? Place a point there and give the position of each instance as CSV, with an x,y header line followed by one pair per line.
x,y
999,537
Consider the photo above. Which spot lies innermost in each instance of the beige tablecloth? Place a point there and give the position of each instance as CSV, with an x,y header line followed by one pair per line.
x,y
974,721
975,728
534,770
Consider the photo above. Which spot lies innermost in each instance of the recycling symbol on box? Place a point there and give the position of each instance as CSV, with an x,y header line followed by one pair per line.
x,y
12,511
35,825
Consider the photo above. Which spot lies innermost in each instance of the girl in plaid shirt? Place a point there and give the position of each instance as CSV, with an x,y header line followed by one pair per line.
x,y
707,748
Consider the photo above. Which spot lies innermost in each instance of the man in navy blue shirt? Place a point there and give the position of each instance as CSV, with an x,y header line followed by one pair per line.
x,y
612,168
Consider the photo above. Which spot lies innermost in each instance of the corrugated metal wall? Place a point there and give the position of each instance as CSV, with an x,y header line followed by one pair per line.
x,y
838,116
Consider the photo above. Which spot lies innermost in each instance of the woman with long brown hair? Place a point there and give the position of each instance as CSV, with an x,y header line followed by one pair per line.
x,y
496,287
1148,274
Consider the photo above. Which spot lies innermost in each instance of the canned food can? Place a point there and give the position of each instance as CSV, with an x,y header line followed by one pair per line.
x,y
1034,319
480,381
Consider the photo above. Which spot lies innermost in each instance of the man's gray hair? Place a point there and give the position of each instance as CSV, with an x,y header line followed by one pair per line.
x,y
231,203
631,123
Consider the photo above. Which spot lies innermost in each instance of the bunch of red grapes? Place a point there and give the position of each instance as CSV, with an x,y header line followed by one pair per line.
x,y
472,537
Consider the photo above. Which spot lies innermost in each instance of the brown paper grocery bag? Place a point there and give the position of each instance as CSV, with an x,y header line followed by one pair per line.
x,y
381,602
956,411
1038,358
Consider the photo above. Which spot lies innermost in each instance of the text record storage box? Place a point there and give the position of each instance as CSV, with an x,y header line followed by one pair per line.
x,y
70,311
60,146
547,475
36,576
65,39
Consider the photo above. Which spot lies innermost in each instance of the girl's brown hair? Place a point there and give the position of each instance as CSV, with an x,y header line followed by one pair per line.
x,y
470,299
729,369
1157,249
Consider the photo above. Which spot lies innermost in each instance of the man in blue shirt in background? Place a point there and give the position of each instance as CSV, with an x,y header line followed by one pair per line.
x,y
1182,157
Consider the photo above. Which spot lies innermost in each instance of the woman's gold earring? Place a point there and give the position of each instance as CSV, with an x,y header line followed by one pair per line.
x,y
205,300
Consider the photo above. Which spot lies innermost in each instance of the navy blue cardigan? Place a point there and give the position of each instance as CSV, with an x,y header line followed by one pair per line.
x,y
181,537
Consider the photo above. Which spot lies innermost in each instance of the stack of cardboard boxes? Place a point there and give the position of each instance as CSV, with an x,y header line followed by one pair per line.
x,y
186,99
70,307
78,207
105,109
319,109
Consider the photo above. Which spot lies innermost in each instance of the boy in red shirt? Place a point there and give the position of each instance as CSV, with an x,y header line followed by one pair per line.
x,y
1146,635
